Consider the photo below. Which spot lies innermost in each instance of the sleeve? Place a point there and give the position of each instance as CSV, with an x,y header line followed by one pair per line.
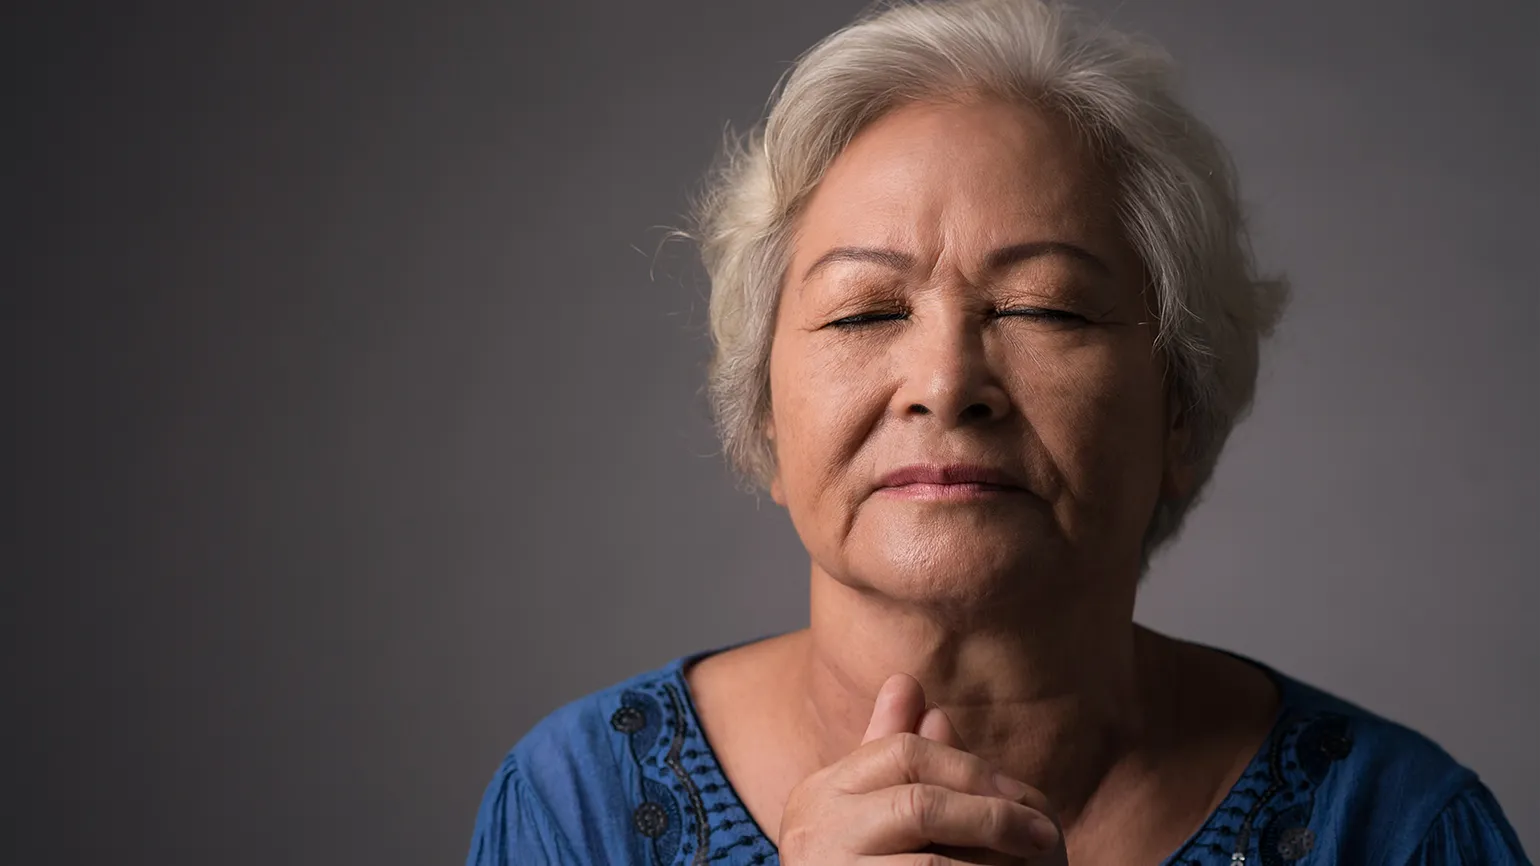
x,y
513,826
1470,829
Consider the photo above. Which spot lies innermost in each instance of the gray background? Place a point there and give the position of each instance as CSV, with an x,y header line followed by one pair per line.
x,y
354,421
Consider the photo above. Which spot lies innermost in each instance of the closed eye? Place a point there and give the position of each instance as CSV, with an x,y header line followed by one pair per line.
x,y
866,319
1042,314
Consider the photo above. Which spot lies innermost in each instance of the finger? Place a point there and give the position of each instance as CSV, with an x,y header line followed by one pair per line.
x,y
972,856
909,817
923,859
906,759
936,725
929,857
900,702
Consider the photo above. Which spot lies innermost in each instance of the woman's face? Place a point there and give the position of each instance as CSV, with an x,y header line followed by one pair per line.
x,y
965,397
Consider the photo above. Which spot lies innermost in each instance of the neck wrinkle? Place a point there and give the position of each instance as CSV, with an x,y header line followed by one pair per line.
x,y
1051,691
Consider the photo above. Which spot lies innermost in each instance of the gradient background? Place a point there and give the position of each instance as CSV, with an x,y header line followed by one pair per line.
x,y
354,415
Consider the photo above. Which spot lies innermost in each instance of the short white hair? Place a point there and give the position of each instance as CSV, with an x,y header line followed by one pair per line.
x,y
1176,193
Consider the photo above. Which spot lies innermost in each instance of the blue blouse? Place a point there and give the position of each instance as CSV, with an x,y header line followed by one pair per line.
x,y
625,776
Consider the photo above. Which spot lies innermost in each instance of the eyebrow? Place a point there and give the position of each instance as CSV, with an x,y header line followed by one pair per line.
x,y
891,259
997,260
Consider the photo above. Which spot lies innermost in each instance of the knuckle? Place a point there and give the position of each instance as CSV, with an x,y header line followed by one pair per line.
x,y
997,818
798,841
906,749
916,805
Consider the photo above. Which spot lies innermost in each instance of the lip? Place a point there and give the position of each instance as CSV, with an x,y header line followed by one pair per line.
x,y
955,481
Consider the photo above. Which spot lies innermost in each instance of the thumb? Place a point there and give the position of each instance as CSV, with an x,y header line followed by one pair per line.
x,y
900,703
936,725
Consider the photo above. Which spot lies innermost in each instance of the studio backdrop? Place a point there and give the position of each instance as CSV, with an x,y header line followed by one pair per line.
x,y
355,420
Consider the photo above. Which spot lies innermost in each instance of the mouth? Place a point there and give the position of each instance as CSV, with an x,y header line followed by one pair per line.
x,y
949,492
949,483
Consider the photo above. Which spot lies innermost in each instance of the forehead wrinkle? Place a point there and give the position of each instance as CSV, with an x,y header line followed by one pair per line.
x,y
926,198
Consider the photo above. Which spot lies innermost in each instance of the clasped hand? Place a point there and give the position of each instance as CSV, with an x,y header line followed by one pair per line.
x,y
913,795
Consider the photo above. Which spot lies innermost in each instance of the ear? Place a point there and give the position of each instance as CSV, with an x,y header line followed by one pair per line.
x,y
1178,477
777,492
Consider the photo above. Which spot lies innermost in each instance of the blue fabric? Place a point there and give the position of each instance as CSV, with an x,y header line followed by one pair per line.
x,y
625,776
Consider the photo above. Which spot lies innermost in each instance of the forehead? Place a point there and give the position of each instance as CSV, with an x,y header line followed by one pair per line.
x,y
962,177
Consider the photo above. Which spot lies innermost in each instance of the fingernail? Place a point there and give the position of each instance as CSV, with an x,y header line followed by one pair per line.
x,y
1044,834
1011,787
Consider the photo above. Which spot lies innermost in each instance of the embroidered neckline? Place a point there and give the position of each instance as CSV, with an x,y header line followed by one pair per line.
x,y
1276,782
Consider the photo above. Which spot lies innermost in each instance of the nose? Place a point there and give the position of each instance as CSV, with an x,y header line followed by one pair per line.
x,y
945,373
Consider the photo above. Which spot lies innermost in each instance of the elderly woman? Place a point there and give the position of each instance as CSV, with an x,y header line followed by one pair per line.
x,y
984,316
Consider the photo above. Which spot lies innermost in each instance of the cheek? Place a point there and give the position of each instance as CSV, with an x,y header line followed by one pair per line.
x,y
823,405
1098,412
824,408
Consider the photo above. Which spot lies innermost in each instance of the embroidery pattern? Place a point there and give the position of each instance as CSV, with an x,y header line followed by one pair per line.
x,y
686,811
1271,804
1323,739
640,719
697,807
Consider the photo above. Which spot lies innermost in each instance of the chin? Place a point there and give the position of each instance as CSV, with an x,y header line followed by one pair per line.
x,y
954,560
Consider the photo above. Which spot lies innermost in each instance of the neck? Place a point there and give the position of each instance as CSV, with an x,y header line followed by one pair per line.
x,y
1052,691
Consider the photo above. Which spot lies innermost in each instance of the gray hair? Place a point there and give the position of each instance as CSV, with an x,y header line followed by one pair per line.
x,y
1176,194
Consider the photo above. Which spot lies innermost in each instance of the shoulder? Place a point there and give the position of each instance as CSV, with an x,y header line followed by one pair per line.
x,y
563,793
618,776
1356,787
